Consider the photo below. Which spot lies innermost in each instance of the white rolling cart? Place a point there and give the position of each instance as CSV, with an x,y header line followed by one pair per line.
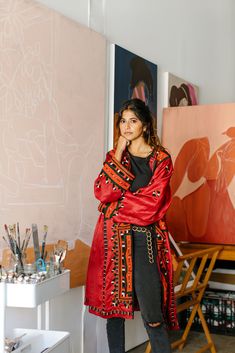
x,y
30,296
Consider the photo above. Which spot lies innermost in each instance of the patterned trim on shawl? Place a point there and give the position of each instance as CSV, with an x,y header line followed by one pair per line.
x,y
105,265
119,175
166,272
122,269
109,209
110,313
158,157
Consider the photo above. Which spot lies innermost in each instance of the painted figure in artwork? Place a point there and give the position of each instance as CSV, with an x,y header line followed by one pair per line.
x,y
183,95
209,206
134,77
141,85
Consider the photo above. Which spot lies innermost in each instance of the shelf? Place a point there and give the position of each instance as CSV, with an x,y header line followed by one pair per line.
x,y
37,341
30,295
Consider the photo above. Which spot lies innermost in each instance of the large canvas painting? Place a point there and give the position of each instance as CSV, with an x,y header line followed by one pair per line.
x,y
52,137
201,140
134,77
179,92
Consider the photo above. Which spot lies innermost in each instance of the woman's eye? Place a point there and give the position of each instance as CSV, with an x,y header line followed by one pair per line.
x,y
134,121
122,121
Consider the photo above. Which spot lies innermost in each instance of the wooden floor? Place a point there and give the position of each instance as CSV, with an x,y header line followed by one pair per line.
x,y
224,344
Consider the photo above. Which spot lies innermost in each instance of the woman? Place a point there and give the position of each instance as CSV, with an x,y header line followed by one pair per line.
x,y
130,264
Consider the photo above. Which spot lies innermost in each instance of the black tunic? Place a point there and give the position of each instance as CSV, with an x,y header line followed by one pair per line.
x,y
147,283
141,170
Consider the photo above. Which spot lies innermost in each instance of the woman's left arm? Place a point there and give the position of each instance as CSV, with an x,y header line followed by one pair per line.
x,y
148,204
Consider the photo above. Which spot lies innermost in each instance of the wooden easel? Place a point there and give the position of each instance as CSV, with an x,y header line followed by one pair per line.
x,y
190,282
227,253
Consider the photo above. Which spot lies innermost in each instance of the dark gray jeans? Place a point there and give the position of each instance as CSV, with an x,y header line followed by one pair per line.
x,y
147,287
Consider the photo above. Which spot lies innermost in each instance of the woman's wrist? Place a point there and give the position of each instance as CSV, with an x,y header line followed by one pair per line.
x,y
118,155
121,146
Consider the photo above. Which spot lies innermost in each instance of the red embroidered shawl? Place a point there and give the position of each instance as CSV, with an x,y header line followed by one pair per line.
x,y
109,291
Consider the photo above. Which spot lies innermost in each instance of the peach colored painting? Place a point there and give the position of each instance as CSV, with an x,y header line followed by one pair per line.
x,y
52,93
201,140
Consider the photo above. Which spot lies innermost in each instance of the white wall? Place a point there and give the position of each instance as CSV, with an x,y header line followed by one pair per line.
x,y
192,39
74,9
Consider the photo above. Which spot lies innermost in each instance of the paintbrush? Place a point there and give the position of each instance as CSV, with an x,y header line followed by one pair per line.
x,y
18,234
14,231
22,246
25,241
15,240
45,256
28,235
11,234
36,242
17,250
44,241
11,242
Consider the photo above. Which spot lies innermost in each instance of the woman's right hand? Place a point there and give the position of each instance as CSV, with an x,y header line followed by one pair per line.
x,y
121,146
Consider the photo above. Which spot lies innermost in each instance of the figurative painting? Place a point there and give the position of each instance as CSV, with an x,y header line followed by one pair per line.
x,y
51,136
179,92
201,141
134,77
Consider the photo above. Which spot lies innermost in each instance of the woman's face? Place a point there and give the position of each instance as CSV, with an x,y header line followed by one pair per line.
x,y
130,126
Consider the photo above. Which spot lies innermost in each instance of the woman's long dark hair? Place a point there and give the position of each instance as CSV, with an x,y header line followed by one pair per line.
x,y
141,110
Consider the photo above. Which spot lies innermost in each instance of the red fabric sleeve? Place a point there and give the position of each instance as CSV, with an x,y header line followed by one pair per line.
x,y
148,204
113,180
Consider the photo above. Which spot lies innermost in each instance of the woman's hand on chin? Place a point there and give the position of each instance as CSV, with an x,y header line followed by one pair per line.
x,y
121,146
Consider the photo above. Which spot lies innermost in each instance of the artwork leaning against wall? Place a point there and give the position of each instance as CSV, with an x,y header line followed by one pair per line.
x,y
201,140
49,152
134,77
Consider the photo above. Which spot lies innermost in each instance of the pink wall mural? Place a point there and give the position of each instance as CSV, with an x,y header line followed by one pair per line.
x,y
201,140
52,92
